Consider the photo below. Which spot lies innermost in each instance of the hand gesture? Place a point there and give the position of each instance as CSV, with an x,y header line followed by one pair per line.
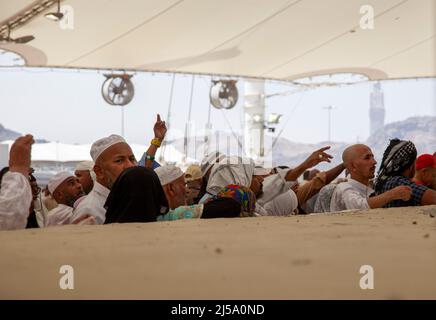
x,y
317,157
160,129
19,156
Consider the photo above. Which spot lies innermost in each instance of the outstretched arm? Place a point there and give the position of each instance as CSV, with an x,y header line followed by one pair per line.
x,y
160,130
315,158
398,193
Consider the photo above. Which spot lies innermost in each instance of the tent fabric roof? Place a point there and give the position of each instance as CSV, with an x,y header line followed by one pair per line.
x,y
273,39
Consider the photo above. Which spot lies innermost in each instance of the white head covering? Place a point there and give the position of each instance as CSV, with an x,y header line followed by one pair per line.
x,y
209,160
168,173
99,146
261,171
57,179
231,170
87,166
193,172
282,205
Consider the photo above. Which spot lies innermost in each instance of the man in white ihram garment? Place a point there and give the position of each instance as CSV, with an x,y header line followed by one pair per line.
x,y
66,190
243,172
355,193
111,156
15,189
86,175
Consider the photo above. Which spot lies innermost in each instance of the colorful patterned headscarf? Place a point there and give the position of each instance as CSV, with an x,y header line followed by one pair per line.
x,y
398,156
242,195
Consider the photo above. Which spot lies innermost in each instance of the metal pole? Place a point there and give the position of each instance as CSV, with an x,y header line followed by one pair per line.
x,y
330,121
168,120
329,110
122,122
185,146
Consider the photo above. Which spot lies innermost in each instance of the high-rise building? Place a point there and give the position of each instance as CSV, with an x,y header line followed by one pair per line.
x,y
377,109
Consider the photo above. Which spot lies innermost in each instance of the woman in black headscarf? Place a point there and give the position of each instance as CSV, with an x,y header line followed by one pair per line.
x,y
397,169
136,196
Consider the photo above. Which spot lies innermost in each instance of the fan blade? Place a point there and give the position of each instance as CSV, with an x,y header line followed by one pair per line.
x,y
24,39
112,96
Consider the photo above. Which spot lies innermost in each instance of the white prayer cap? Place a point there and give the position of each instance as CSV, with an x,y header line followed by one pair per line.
x,y
85,166
168,173
57,179
209,160
261,171
193,172
99,146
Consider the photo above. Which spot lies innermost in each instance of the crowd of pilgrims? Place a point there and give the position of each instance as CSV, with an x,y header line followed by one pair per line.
x,y
115,188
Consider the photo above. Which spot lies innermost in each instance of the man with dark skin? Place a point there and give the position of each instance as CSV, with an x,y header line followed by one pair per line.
x,y
84,174
66,190
112,155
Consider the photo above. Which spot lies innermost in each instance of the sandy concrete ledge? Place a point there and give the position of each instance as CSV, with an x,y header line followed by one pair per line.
x,y
299,257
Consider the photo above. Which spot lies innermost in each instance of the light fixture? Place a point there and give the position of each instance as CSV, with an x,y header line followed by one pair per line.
x,y
274,118
21,40
257,118
55,16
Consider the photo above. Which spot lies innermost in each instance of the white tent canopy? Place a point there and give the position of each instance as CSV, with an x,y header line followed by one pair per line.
x,y
274,39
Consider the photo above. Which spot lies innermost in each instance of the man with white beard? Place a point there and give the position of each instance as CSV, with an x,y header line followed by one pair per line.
x,y
112,155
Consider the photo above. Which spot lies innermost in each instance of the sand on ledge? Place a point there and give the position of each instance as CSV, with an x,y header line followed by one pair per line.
x,y
299,257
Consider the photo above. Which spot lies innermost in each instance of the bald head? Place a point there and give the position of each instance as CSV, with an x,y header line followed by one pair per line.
x,y
352,152
359,161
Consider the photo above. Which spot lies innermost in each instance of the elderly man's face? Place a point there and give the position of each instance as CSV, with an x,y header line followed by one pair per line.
x,y
85,179
176,192
257,185
112,162
193,188
69,191
364,162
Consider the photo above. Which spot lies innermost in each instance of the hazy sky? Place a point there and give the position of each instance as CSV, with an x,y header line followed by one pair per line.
x,y
67,106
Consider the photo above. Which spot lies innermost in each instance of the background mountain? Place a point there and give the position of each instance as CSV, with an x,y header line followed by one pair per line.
x,y
420,130
6,134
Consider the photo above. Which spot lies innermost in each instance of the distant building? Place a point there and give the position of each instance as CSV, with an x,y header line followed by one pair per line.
x,y
377,109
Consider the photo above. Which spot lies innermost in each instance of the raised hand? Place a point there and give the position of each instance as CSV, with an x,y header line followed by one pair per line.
x,y
318,156
19,156
160,129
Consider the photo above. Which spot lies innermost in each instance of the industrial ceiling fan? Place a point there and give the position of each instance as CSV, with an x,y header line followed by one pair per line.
x,y
20,40
223,94
118,90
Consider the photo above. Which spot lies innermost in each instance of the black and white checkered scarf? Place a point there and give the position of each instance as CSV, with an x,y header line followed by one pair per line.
x,y
399,156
